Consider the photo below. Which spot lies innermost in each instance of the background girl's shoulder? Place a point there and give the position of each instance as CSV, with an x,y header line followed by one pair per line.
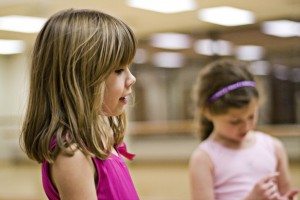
x,y
264,136
273,142
200,158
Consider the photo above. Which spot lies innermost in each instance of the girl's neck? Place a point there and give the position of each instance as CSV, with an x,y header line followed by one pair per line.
x,y
114,151
248,141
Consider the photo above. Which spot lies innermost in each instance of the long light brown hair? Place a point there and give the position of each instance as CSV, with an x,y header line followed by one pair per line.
x,y
212,78
74,53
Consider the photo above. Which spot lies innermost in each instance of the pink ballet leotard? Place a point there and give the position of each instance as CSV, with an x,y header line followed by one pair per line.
x,y
237,171
114,181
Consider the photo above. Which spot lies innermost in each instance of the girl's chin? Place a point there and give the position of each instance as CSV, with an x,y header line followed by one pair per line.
x,y
114,112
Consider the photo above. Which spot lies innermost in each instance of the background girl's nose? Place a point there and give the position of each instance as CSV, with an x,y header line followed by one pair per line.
x,y
247,126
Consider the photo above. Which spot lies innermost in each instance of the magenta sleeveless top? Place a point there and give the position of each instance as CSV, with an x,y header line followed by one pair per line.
x,y
237,171
114,181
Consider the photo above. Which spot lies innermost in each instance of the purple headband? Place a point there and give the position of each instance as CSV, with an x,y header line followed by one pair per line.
x,y
230,88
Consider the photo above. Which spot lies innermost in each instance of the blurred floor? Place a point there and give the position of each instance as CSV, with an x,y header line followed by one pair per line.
x,y
168,181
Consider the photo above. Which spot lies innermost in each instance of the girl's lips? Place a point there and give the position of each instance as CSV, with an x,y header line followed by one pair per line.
x,y
243,135
123,99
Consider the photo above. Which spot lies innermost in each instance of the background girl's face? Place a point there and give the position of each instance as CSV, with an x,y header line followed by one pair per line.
x,y
236,123
117,91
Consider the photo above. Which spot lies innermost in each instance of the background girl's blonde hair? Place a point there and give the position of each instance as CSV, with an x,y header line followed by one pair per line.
x,y
211,79
73,55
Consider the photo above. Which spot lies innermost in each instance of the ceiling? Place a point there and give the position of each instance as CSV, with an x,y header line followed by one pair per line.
x,y
146,23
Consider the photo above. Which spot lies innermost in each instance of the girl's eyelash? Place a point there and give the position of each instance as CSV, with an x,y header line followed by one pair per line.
x,y
119,71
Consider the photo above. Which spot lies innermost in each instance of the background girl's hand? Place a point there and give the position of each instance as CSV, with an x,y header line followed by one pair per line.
x,y
290,195
265,189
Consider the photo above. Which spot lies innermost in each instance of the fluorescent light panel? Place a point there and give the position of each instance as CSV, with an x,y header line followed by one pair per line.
x,y
250,52
11,46
226,16
281,28
213,47
163,6
22,24
260,67
168,59
170,41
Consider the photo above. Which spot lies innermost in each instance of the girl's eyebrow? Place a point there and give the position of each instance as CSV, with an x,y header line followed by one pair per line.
x,y
124,66
233,116
235,119
121,67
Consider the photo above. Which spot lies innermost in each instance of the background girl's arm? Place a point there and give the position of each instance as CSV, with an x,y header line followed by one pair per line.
x,y
284,180
201,176
265,189
73,176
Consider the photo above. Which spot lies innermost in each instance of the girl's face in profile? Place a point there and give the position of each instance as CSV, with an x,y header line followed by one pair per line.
x,y
236,123
117,91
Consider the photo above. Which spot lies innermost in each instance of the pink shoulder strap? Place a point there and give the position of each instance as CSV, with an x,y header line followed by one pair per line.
x,y
122,149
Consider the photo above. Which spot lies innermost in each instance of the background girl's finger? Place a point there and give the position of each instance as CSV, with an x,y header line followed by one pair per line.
x,y
291,194
270,177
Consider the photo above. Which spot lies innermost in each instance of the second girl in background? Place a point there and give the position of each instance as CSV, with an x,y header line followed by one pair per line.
x,y
234,162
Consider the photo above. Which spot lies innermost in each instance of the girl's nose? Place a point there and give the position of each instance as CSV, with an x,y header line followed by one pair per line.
x,y
131,79
247,126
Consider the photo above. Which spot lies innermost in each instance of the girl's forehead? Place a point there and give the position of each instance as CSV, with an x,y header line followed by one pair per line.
x,y
244,111
123,66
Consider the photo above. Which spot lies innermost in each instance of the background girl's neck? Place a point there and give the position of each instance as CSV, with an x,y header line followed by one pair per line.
x,y
248,141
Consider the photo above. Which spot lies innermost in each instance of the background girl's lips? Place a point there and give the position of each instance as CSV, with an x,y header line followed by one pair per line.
x,y
243,135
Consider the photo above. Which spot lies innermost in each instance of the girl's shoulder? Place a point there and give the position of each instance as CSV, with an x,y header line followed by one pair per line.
x,y
267,137
67,171
66,163
275,143
200,157
71,154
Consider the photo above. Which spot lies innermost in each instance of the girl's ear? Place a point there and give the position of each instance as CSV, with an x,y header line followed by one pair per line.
x,y
207,114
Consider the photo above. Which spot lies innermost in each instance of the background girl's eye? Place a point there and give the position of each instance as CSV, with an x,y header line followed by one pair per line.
x,y
235,122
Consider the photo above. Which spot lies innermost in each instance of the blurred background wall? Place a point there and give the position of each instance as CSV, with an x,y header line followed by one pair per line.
x,y
173,46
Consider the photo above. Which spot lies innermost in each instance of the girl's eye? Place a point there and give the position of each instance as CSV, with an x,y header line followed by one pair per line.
x,y
251,117
235,122
119,71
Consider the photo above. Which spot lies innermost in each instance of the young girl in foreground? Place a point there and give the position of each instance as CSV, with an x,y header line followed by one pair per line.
x,y
234,162
75,120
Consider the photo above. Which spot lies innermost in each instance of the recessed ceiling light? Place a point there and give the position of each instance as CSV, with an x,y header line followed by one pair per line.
x,y
170,41
11,46
281,28
163,6
168,59
213,47
260,67
250,52
226,16
22,24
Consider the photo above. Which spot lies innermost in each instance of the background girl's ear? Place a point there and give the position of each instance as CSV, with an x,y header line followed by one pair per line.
x,y
207,114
